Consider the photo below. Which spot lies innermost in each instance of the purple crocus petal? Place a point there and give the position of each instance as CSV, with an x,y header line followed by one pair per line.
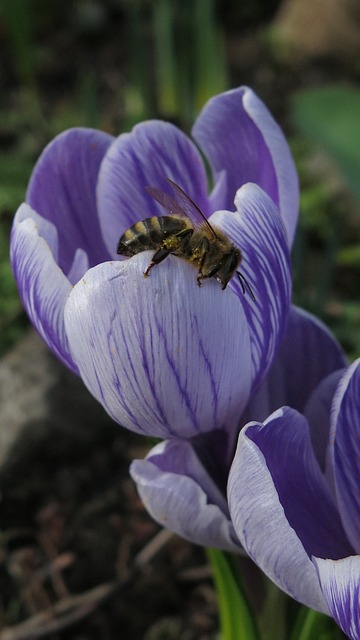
x,y
62,190
307,354
42,285
340,584
156,351
309,507
345,436
45,229
318,414
267,525
79,266
148,155
238,134
179,457
257,229
179,494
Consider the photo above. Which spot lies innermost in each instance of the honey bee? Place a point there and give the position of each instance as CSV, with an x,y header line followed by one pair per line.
x,y
185,233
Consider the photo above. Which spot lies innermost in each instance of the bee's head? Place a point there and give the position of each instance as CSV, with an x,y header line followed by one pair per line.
x,y
229,264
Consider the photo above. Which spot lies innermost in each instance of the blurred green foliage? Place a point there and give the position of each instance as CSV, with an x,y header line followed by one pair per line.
x,y
17,18
187,55
312,624
326,253
330,116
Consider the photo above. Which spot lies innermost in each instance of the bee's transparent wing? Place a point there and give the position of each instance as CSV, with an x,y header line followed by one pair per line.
x,y
166,201
181,205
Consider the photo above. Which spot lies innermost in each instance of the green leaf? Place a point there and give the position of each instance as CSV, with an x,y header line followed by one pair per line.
x,y
236,621
331,117
349,256
312,624
272,618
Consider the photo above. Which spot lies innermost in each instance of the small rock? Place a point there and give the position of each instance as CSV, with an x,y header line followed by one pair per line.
x,y
36,389
319,28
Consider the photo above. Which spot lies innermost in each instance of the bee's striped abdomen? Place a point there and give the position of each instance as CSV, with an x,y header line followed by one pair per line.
x,y
149,234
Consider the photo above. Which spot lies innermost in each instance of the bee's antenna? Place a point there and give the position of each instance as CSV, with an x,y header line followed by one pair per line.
x,y
244,283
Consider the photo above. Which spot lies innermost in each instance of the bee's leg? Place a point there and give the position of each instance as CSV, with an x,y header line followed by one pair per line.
x,y
170,246
203,249
158,257
184,237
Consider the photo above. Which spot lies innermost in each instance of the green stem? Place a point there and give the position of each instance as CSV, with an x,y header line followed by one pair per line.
x,y
236,621
312,624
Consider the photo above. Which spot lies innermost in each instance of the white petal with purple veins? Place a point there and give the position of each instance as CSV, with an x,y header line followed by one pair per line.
x,y
179,494
257,229
340,583
164,356
263,528
42,285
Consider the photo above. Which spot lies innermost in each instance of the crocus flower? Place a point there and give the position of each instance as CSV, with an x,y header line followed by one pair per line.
x,y
295,502
164,357
183,483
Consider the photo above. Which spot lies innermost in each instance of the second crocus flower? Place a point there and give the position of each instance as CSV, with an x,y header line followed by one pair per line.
x,y
294,498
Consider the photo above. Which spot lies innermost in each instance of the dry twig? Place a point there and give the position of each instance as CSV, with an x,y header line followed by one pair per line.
x,y
74,608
